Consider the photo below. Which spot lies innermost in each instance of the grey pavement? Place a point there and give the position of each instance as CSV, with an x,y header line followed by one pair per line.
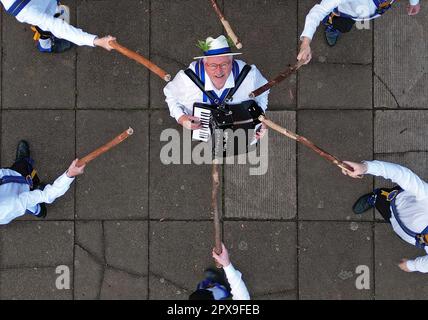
x,y
134,228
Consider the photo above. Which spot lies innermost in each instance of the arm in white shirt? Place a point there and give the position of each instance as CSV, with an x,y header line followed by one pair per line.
x,y
57,27
402,176
316,15
237,285
173,91
419,264
30,199
259,81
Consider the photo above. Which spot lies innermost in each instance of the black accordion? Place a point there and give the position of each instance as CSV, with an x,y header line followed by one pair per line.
x,y
232,127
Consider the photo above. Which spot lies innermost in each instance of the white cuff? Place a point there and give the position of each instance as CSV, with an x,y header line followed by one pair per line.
x,y
411,265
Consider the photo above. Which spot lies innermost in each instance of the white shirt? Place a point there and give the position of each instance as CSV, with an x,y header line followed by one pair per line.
x,y
182,93
238,289
412,204
360,9
16,198
41,13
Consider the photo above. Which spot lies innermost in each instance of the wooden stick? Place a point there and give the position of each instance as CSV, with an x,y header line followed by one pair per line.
x,y
226,25
214,208
140,59
307,143
95,154
284,75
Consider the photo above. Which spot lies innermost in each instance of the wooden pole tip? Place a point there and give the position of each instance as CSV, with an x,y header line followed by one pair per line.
x,y
239,46
130,131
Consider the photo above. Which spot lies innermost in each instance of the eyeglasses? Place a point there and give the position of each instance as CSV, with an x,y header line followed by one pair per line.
x,y
214,66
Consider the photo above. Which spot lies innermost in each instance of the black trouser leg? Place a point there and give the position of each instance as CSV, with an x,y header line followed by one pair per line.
x,y
343,25
25,168
383,206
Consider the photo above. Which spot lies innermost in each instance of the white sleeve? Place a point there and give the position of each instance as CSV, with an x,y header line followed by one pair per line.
x,y
173,92
316,15
57,27
259,81
30,199
402,176
419,264
414,2
237,285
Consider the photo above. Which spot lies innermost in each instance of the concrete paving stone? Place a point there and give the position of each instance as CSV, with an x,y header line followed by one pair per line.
x,y
268,31
355,47
118,285
179,254
338,86
162,289
88,274
415,161
400,59
89,236
51,138
177,191
273,194
126,245
110,80
265,254
176,27
33,284
391,282
323,192
36,244
115,186
44,80
328,259
400,131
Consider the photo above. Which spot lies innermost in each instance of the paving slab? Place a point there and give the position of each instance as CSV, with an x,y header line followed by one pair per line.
x,y
400,131
50,134
121,175
119,285
32,284
126,246
177,191
352,48
328,259
168,241
271,195
90,238
400,59
268,31
88,275
110,80
265,254
46,81
391,282
335,86
323,192
176,27
45,244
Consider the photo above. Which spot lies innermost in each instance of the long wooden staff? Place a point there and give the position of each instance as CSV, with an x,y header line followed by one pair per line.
x,y
140,59
95,154
226,25
284,75
214,208
307,143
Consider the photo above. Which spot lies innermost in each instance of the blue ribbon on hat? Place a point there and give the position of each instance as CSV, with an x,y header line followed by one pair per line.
x,y
218,51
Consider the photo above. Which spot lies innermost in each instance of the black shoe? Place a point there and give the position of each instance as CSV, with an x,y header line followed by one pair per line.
x,y
61,45
43,211
364,203
331,36
22,150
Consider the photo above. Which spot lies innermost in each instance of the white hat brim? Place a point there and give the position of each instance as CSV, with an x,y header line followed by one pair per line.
x,y
219,55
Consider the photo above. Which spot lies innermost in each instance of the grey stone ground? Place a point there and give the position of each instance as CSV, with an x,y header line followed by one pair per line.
x,y
132,227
